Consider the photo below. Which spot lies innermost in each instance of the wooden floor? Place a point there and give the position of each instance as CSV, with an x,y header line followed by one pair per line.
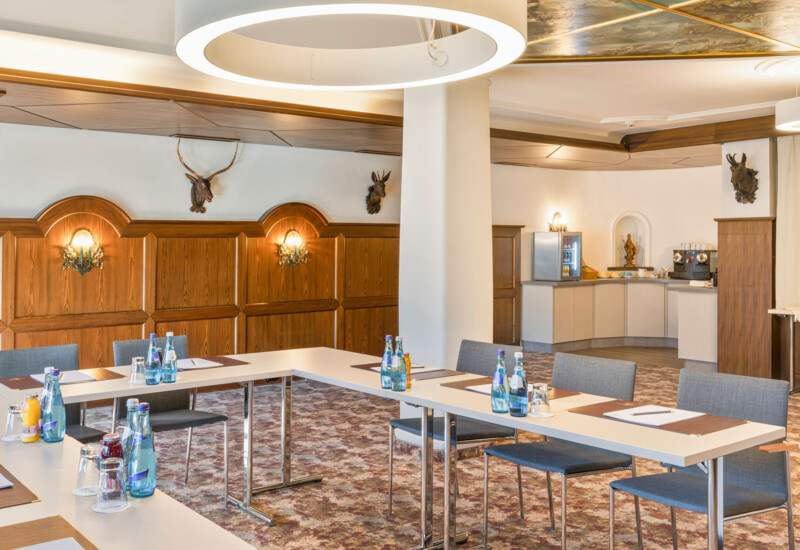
x,y
658,357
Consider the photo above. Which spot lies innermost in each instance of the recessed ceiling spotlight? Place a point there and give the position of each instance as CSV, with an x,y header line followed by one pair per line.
x,y
784,66
213,37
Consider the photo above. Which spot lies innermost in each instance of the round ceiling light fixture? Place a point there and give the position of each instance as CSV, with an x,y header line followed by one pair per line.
x,y
225,39
787,115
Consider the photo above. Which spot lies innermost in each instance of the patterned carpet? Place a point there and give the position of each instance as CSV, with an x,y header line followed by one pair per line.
x,y
344,435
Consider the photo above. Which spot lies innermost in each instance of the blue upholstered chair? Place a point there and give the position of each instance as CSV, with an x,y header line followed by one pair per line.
x,y
27,361
593,375
474,358
172,410
755,481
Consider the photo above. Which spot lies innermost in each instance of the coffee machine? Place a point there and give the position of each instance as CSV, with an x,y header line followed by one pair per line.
x,y
697,265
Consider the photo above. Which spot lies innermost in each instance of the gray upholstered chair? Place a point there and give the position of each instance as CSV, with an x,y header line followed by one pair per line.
x,y
27,361
474,358
171,410
593,375
755,481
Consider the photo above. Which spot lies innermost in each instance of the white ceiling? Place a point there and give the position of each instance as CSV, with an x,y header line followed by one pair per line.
x,y
568,99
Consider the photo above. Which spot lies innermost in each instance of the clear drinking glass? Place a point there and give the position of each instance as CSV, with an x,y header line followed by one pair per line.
x,y
111,496
540,400
88,472
13,423
137,370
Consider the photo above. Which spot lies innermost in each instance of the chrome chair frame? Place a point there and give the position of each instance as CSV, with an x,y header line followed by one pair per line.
x,y
788,506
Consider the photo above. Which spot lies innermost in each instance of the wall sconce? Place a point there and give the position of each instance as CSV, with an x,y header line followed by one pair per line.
x,y
82,253
292,251
558,224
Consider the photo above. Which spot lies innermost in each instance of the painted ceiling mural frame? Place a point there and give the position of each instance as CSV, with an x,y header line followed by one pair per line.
x,y
624,30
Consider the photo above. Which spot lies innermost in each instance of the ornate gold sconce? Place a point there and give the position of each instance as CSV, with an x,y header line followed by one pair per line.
x,y
558,223
292,251
82,253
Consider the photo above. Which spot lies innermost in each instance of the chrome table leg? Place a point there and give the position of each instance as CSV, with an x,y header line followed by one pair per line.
x,y
247,460
450,452
286,445
716,517
426,485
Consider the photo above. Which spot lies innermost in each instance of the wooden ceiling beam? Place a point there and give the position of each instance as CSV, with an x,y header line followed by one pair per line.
x,y
556,140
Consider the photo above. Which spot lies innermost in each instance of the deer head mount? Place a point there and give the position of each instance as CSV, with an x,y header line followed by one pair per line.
x,y
201,186
744,179
377,191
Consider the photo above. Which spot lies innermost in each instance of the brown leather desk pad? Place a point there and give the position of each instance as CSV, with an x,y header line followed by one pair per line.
x,y
28,383
40,531
554,393
441,373
701,425
16,495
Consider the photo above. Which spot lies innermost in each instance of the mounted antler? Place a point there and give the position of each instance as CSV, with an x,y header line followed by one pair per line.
x,y
744,180
377,191
201,186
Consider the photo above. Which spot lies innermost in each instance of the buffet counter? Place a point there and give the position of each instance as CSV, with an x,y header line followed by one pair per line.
x,y
570,315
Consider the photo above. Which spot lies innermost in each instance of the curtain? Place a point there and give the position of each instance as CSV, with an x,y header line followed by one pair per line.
x,y
787,261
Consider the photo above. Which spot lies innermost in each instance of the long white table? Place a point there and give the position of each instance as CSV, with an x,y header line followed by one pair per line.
x,y
334,367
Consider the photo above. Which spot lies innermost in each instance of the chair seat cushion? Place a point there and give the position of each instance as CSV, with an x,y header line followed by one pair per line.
x,y
85,434
690,492
184,418
466,429
559,457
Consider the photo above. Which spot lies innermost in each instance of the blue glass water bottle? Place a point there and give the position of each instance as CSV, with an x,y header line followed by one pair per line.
x,y
386,364
142,464
518,385
169,371
152,364
127,435
54,421
398,366
500,388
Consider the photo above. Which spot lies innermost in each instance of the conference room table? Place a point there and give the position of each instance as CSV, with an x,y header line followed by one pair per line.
x,y
336,367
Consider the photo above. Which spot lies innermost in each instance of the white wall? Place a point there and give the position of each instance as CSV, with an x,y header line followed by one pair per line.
x,y
761,156
142,174
680,204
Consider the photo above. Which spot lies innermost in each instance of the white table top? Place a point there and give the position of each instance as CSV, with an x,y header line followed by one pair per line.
x,y
50,471
794,311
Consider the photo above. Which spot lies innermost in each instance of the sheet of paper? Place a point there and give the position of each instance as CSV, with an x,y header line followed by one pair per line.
x,y
482,388
666,416
189,364
68,377
68,543
4,482
415,368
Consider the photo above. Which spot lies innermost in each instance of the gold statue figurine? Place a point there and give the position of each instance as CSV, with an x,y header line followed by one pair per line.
x,y
630,252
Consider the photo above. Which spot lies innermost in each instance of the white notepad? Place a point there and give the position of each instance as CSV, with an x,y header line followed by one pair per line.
x,y
191,364
68,377
666,416
68,543
482,388
415,368
4,482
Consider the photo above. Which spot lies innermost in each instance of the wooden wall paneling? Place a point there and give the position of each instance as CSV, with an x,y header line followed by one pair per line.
x,y
8,287
94,344
195,272
44,288
269,282
503,262
83,204
291,330
372,266
506,268
365,328
149,274
747,334
206,337
504,329
241,293
341,328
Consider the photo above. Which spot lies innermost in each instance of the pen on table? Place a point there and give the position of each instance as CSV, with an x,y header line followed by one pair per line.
x,y
194,362
650,412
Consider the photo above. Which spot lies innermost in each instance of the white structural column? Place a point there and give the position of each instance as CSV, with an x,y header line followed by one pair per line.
x,y
446,221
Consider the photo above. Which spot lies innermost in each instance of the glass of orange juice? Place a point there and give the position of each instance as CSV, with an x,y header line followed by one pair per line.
x,y
408,370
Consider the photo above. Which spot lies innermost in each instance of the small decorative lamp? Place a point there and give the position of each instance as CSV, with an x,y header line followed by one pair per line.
x,y
82,253
292,251
558,224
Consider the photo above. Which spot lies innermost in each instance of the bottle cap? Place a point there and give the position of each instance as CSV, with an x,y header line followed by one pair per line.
x,y
169,334
55,372
517,355
143,407
399,338
31,396
48,370
132,402
388,336
152,335
110,438
501,352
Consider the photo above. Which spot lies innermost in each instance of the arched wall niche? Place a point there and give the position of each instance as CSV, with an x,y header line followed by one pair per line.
x,y
638,226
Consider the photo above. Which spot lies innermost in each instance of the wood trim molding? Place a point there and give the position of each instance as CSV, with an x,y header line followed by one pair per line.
x,y
87,320
506,230
188,229
279,308
515,135
766,219
369,301
8,277
21,227
293,210
83,204
195,313
362,230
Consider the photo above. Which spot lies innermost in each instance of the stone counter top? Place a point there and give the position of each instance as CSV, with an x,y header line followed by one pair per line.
x,y
617,280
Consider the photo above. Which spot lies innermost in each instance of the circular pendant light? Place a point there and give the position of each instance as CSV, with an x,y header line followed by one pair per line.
x,y
225,38
787,115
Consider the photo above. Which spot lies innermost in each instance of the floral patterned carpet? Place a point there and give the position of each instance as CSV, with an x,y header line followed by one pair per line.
x,y
344,435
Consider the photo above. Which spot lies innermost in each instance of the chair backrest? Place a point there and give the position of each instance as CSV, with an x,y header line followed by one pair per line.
x,y
607,377
27,361
481,357
746,398
126,350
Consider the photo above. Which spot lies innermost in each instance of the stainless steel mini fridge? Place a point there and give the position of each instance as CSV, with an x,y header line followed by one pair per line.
x,y
556,256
